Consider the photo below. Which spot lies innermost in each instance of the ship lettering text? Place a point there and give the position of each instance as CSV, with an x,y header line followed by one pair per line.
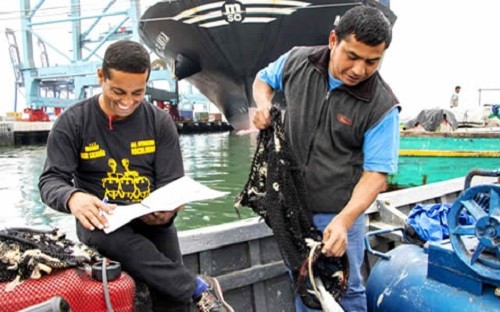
x,y
233,12
161,41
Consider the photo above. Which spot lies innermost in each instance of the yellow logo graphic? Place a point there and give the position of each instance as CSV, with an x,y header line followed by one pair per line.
x,y
92,151
142,147
128,185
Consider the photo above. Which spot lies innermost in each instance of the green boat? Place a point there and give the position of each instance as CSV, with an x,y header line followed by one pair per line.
x,y
428,157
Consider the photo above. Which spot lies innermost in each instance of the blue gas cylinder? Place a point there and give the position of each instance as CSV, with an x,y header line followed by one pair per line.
x,y
407,281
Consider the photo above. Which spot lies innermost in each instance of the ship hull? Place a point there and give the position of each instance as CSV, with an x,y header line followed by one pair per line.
x,y
219,46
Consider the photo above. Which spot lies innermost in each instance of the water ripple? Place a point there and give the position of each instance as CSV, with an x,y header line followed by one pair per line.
x,y
219,160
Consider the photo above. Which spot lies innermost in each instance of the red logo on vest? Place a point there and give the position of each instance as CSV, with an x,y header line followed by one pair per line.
x,y
343,119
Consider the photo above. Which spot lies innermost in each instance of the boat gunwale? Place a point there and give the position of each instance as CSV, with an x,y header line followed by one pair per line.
x,y
493,133
447,153
217,236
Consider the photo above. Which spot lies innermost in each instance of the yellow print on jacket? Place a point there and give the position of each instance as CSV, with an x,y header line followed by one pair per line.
x,y
92,151
127,185
142,147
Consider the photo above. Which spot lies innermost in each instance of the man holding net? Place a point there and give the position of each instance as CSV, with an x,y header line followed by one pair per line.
x,y
343,126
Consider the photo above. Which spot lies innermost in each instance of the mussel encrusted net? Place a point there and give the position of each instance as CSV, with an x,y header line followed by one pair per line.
x,y
276,191
29,253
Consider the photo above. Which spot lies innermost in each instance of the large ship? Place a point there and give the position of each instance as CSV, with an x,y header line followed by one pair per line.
x,y
219,46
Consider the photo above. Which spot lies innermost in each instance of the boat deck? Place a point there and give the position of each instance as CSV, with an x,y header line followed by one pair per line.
x,y
246,259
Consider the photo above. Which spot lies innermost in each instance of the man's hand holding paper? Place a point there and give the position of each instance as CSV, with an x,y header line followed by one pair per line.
x,y
165,202
160,217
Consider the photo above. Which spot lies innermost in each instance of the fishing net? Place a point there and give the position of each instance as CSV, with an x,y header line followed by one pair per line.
x,y
28,253
276,191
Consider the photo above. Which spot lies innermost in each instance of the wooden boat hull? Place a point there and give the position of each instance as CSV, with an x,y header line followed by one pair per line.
x,y
246,259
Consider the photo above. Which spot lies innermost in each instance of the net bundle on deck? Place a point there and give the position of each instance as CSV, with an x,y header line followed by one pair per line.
x,y
276,190
29,253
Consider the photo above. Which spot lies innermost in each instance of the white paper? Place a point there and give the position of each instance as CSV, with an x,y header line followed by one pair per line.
x,y
167,198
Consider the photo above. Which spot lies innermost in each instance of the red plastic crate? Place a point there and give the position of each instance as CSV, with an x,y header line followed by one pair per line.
x,y
81,292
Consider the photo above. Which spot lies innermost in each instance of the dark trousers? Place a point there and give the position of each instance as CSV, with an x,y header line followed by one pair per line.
x,y
151,254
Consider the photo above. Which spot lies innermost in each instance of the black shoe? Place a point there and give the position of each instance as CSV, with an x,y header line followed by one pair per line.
x,y
212,300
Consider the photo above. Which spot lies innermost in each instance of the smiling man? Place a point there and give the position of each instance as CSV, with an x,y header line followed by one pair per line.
x,y
117,148
343,125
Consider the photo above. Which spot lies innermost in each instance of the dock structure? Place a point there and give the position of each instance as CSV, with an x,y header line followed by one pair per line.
x,y
13,133
24,133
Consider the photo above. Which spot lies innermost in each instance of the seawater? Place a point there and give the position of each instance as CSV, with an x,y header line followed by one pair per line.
x,y
219,160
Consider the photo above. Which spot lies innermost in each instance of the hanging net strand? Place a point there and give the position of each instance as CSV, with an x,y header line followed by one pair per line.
x,y
276,191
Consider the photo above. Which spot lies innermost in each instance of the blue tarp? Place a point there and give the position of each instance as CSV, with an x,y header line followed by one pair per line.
x,y
430,222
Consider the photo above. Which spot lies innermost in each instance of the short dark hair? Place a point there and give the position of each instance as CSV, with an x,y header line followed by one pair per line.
x,y
368,24
127,56
457,87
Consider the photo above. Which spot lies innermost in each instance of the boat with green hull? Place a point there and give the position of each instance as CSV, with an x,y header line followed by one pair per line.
x,y
428,157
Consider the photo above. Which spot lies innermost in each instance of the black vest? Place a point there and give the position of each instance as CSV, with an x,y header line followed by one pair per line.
x,y
326,129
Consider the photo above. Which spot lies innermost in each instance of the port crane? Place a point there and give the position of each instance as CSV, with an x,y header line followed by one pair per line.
x,y
83,33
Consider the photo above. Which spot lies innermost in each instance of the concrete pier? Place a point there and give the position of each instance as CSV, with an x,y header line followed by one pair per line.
x,y
36,132
24,132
